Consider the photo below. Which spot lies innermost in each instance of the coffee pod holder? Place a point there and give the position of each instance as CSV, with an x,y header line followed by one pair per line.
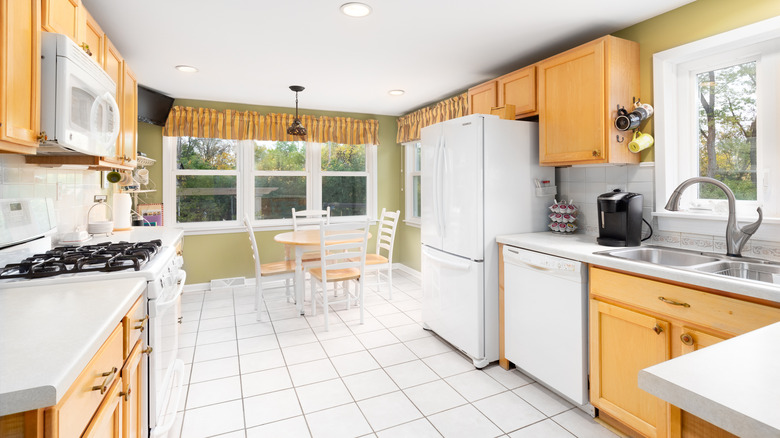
x,y
563,217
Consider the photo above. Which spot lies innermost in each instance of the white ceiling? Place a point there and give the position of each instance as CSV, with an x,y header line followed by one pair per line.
x,y
250,51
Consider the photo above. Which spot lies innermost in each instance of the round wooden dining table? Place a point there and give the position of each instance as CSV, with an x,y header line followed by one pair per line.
x,y
302,241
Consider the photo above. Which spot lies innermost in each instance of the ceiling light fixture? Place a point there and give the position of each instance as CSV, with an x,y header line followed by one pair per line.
x,y
297,127
355,9
396,92
186,68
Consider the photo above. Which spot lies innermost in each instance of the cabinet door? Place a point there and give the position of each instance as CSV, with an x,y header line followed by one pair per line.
x,y
61,16
571,106
482,98
685,424
107,422
519,89
129,116
622,342
133,393
20,67
112,64
92,36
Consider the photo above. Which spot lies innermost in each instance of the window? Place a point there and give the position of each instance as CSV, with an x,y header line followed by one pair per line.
x,y
412,184
717,104
215,181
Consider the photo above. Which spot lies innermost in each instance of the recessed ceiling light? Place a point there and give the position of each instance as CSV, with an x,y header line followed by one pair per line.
x,y
396,92
355,9
187,68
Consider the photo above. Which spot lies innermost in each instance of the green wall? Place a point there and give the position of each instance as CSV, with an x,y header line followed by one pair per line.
x,y
692,22
216,256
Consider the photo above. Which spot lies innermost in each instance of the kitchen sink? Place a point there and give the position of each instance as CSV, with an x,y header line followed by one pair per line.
x,y
717,264
661,256
766,272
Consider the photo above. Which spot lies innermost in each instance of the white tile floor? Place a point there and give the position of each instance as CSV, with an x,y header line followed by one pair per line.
x,y
385,378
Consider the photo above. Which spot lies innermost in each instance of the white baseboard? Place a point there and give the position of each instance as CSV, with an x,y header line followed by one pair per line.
x,y
206,287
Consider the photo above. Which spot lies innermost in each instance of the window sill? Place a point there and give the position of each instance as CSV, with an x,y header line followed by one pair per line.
x,y
416,223
234,227
709,224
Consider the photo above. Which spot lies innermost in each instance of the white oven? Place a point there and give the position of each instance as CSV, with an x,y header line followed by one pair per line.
x,y
79,112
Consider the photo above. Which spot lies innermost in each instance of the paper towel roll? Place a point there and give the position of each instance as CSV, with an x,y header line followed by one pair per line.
x,y
122,205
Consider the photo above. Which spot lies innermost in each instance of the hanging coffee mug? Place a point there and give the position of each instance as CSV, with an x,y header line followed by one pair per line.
x,y
626,121
640,142
646,107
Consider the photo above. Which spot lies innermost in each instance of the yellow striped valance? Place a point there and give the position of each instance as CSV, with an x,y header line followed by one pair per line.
x,y
409,126
250,125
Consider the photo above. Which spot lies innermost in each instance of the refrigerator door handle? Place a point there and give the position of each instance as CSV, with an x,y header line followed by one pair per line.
x,y
436,204
461,266
442,171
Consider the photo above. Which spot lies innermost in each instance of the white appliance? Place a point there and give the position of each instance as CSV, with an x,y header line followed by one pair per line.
x,y
546,321
79,113
478,177
27,232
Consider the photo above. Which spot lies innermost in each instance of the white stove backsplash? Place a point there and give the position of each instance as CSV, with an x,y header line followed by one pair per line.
x,y
584,184
72,190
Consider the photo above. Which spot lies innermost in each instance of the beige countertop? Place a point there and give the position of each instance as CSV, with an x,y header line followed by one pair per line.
x,y
48,334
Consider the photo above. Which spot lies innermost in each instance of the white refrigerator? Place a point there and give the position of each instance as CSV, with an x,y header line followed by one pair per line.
x,y
477,182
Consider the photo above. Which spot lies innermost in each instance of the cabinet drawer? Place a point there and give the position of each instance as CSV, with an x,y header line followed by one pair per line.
x,y
725,314
135,323
78,406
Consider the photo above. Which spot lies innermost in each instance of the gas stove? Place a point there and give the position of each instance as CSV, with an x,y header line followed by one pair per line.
x,y
103,257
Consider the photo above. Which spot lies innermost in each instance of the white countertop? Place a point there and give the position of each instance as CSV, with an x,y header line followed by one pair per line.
x,y
48,334
581,247
734,384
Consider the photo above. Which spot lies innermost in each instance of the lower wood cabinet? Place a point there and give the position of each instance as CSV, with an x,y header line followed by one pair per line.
x,y
637,322
107,422
132,393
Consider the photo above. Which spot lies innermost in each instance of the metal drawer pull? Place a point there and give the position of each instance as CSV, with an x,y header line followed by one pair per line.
x,y
674,303
658,329
143,323
686,339
179,319
126,395
109,375
148,350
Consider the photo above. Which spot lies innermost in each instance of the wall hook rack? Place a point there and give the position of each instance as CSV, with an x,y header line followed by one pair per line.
x,y
619,138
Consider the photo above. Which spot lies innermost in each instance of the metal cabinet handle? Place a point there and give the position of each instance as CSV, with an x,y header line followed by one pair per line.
x,y
109,375
143,323
148,350
674,303
658,329
180,319
126,395
686,339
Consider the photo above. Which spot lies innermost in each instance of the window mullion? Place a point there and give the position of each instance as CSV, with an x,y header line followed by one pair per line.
x,y
315,176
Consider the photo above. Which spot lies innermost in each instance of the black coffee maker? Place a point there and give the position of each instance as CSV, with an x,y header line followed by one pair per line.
x,y
620,218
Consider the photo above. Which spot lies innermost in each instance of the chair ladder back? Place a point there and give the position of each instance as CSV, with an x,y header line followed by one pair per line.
x,y
385,239
309,219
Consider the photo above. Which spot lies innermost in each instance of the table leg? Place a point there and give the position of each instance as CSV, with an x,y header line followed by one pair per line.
x,y
299,279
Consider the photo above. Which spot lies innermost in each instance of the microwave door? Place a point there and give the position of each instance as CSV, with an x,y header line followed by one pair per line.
x,y
104,123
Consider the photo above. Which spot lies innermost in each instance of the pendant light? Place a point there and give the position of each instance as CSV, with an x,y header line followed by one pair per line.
x,y
296,128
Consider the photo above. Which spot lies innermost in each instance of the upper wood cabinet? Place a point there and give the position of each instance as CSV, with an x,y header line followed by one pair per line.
x,y
483,97
129,111
579,93
20,76
93,36
519,89
112,64
62,16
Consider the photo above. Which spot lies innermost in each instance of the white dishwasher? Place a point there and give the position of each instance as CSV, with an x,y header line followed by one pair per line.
x,y
546,321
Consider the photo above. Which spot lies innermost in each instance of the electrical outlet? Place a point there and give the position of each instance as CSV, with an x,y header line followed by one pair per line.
x,y
101,198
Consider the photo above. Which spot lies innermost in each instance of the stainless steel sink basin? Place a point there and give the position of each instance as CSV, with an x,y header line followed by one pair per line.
x,y
769,273
661,256
707,263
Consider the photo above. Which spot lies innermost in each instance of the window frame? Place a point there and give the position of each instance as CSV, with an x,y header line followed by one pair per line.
x,y
675,94
245,172
410,172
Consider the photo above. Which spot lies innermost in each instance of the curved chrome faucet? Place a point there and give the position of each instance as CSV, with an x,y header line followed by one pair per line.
x,y
735,237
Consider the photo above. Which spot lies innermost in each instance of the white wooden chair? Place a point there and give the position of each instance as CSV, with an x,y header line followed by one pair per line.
x,y
385,238
284,270
308,220
342,259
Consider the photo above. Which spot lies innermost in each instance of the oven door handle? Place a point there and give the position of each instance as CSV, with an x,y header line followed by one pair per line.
x,y
180,279
162,430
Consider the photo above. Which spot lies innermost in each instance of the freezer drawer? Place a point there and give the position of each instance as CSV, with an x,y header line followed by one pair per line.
x,y
454,301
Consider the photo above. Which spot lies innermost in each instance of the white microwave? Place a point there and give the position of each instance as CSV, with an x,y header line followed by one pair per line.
x,y
79,113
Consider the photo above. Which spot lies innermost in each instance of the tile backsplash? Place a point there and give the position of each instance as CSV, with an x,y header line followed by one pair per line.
x,y
582,185
71,190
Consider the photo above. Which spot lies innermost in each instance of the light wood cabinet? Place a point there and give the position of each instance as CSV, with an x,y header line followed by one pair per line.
x,y
483,97
20,76
93,36
62,16
133,393
579,92
633,320
134,323
129,112
107,422
519,89
112,64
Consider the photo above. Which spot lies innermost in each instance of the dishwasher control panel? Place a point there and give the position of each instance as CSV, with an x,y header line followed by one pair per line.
x,y
540,261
